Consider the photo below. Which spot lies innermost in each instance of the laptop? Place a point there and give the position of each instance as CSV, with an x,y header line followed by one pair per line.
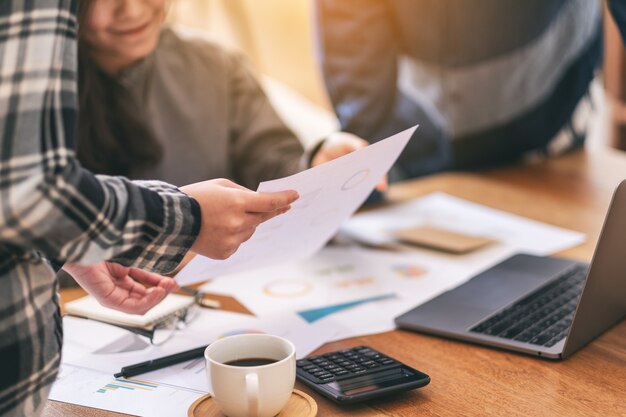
x,y
543,306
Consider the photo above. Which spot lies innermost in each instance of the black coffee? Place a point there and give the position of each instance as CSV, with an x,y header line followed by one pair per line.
x,y
251,362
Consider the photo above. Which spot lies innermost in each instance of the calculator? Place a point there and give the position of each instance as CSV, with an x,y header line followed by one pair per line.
x,y
357,374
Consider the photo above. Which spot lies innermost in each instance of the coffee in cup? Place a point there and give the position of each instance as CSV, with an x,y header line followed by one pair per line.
x,y
251,375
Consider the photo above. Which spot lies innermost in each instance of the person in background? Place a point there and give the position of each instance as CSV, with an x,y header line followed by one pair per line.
x,y
53,209
489,81
618,10
155,105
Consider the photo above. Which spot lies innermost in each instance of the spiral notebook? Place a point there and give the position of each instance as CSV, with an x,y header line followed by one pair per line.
x,y
90,308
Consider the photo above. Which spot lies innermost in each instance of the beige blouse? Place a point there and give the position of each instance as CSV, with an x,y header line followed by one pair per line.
x,y
211,116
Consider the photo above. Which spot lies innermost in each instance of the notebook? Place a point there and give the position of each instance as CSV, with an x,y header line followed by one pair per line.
x,y
90,308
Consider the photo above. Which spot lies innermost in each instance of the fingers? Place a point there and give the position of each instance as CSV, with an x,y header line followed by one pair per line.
x,y
252,220
383,185
270,202
141,305
153,279
336,145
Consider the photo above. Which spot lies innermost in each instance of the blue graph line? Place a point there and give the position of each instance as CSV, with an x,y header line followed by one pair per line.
x,y
317,313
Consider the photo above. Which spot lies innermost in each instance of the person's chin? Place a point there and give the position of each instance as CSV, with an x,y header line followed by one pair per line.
x,y
144,41
138,50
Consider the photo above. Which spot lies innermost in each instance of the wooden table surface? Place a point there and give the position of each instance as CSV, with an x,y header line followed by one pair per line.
x,y
573,192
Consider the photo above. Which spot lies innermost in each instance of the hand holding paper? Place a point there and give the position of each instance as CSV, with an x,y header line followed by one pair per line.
x,y
231,213
339,144
329,194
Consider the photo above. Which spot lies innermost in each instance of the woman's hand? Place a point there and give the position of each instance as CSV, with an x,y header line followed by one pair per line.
x,y
122,288
231,213
340,144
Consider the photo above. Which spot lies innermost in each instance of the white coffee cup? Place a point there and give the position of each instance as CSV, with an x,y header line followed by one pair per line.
x,y
251,391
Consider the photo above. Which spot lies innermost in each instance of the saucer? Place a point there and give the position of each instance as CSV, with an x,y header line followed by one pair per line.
x,y
300,404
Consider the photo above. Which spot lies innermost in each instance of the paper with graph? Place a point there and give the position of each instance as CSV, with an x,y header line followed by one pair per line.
x,y
338,279
329,194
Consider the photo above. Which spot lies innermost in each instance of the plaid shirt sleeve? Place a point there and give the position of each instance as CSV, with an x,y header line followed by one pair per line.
x,y
49,203
51,206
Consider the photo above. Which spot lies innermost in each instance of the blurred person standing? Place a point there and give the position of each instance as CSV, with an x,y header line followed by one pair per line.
x,y
489,81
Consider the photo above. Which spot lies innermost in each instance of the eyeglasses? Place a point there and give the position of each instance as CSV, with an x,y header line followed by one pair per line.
x,y
163,330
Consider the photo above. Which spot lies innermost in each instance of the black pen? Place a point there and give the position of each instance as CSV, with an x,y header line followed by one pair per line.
x,y
159,363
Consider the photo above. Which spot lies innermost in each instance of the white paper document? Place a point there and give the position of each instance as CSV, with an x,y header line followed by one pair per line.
x,y
512,233
329,194
106,348
337,277
140,397
93,352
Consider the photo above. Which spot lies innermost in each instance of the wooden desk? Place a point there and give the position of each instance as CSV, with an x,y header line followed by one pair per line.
x,y
572,192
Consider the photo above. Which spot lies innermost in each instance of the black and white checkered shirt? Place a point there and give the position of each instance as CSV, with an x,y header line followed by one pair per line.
x,y
51,208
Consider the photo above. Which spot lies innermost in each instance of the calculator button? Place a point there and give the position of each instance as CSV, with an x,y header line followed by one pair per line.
x,y
344,364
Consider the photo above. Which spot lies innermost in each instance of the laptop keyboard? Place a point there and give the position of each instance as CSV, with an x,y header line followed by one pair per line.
x,y
542,317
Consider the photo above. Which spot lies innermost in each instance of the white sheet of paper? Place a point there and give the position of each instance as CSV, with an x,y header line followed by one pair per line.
x,y
97,389
105,348
513,233
338,275
329,194
371,318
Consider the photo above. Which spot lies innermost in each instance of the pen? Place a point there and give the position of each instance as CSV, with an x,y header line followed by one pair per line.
x,y
159,363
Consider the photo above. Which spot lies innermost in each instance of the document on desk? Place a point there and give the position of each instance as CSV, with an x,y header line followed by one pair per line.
x,y
337,277
93,352
140,397
510,233
105,348
329,194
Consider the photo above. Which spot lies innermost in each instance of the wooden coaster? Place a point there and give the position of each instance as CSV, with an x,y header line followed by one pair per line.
x,y
300,404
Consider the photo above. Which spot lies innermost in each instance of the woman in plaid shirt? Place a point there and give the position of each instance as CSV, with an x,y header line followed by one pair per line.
x,y
53,209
